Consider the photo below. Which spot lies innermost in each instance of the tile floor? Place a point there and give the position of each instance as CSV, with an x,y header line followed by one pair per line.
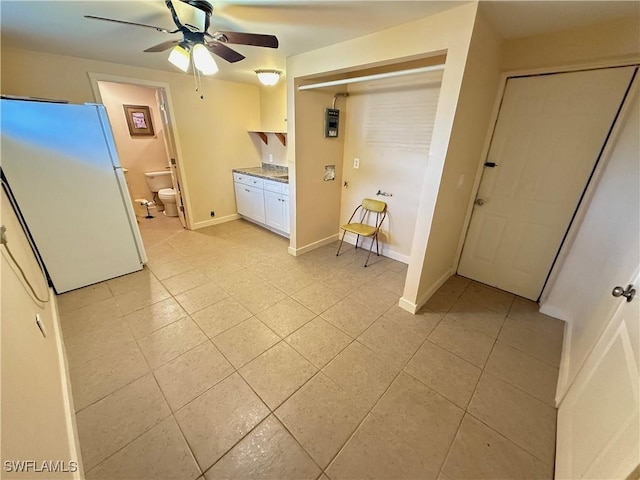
x,y
229,358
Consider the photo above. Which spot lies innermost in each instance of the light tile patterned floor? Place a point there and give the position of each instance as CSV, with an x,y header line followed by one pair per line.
x,y
230,358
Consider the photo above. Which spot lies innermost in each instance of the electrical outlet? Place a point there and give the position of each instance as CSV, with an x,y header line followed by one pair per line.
x,y
356,163
212,213
270,158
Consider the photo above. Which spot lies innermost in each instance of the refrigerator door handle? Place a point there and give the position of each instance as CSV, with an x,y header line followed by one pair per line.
x,y
126,199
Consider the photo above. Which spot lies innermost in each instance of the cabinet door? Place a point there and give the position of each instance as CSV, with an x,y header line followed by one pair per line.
x,y
274,210
285,212
257,204
243,199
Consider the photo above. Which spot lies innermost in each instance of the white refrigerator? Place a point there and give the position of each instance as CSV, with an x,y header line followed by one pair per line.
x,y
61,164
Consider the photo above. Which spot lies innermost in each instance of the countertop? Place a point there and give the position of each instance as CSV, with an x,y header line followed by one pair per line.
x,y
275,172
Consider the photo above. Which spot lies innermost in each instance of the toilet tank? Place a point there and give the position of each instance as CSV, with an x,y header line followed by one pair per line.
x,y
156,181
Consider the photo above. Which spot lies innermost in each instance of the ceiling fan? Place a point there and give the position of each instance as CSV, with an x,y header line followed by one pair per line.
x,y
199,42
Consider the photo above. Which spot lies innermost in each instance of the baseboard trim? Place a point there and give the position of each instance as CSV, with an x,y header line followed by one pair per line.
x,y
562,385
408,306
216,221
434,288
63,365
424,298
296,252
554,312
384,249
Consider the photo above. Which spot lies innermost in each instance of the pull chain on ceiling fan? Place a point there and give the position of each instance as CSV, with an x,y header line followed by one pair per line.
x,y
198,43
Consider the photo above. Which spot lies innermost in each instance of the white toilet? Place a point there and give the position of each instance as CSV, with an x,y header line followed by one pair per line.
x,y
160,184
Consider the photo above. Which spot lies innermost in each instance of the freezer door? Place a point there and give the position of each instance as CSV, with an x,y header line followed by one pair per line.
x,y
60,169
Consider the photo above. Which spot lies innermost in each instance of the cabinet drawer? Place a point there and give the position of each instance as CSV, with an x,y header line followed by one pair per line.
x,y
277,187
250,180
256,182
242,178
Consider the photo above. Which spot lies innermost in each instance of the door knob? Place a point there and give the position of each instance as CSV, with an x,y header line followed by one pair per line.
x,y
479,202
629,293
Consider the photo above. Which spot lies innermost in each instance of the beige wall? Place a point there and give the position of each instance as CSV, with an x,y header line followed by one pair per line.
x,y
317,203
137,154
615,41
273,113
388,127
447,32
36,411
273,107
464,155
211,132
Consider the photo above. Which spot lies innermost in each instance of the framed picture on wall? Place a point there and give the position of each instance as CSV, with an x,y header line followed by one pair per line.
x,y
139,120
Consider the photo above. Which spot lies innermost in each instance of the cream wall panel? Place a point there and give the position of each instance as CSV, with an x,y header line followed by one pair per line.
x,y
388,125
273,107
614,41
38,420
464,155
212,132
318,202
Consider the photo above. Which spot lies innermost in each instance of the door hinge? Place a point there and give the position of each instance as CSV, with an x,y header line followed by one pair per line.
x,y
181,208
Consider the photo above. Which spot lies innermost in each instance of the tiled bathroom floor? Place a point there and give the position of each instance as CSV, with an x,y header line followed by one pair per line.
x,y
230,358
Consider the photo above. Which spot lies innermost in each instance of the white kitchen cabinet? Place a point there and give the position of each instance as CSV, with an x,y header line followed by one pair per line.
x,y
276,207
263,201
276,204
250,202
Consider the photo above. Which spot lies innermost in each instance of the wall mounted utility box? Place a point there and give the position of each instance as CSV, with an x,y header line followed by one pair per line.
x,y
331,122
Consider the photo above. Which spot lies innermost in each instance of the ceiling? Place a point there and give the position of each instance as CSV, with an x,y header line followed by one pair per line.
x,y
300,25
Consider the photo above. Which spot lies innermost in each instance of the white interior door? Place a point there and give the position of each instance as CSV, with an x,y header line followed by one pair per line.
x,y
598,420
171,152
548,136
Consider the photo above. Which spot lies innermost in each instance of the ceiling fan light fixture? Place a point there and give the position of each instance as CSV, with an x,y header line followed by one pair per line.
x,y
203,60
268,77
179,57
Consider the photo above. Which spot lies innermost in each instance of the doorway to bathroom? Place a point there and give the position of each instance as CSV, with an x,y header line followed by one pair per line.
x,y
154,151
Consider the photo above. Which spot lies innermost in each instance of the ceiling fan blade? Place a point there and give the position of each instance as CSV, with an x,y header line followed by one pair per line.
x,y
240,38
224,52
161,47
159,29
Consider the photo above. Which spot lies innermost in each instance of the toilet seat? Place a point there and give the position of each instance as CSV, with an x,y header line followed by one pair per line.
x,y
167,192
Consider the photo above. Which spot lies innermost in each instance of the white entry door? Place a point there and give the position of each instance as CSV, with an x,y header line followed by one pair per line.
x,y
599,419
548,136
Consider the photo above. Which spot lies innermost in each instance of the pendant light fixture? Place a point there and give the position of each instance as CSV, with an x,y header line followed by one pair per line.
x,y
268,77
